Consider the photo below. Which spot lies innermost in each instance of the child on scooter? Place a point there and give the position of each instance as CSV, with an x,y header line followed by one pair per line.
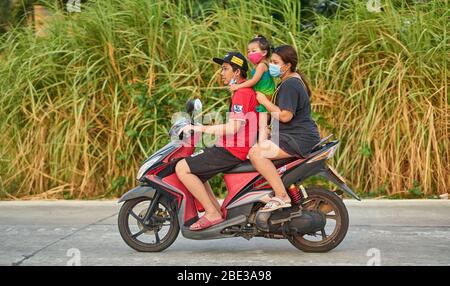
x,y
258,52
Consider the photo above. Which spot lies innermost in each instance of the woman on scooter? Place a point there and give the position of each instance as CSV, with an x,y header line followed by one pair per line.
x,y
294,132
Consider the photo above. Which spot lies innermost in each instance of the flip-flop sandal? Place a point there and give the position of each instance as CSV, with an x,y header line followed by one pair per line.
x,y
275,204
204,223
265,199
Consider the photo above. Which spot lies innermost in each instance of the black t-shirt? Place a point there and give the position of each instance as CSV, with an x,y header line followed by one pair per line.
x,y
300,134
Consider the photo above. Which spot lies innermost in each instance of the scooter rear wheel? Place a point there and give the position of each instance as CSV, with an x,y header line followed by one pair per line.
x,y
154,236
332,206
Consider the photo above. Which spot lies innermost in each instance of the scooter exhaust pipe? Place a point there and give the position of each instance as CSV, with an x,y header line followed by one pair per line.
x,y
290,221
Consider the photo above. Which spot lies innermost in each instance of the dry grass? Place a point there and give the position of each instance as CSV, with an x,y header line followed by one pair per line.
x,y
81,107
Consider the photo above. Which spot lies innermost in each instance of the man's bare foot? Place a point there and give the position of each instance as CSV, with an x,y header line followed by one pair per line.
x,y
207,220
213,216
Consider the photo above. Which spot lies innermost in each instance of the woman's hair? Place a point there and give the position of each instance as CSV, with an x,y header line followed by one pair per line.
x,y
263,43
289,56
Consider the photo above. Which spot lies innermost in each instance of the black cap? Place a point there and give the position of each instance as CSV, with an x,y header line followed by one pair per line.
x,y
235,59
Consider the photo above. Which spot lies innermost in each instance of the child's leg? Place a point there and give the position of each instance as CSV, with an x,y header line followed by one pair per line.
x,y
262,126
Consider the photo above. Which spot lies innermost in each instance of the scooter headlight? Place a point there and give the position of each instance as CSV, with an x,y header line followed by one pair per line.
x,y
147,165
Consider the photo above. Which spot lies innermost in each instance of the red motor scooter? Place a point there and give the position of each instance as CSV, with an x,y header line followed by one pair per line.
x,y
154,212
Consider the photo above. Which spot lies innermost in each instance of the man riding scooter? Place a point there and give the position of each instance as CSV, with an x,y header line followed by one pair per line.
x,y
173,186
235,140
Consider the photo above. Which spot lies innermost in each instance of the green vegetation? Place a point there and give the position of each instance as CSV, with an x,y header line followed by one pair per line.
x,y
82,104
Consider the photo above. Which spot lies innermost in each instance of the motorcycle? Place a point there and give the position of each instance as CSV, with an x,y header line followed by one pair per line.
x,y
154,212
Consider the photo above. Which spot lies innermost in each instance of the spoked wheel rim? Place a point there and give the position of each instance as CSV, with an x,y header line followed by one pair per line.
x,y
155,230
333,221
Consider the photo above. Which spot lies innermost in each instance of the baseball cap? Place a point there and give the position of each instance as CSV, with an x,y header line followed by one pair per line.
x,y
235,59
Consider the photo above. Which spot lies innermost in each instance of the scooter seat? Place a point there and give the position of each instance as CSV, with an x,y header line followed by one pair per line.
x,y
247,167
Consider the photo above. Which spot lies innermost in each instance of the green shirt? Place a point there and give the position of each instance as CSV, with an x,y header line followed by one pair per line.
x,y
265,85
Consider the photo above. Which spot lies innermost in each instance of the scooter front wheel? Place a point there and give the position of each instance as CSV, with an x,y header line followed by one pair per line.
x,y
156,233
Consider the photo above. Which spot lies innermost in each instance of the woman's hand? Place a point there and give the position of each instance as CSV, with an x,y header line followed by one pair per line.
x,y
261,97
281,115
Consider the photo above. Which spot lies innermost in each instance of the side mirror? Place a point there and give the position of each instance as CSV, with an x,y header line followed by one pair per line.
x,y
193,105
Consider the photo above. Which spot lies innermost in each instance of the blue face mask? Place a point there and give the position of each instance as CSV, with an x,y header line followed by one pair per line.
x,y
274,70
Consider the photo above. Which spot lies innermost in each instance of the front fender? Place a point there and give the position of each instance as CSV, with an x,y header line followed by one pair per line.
x,y
139,191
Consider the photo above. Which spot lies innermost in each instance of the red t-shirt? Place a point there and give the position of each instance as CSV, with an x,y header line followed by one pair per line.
x,y
243,108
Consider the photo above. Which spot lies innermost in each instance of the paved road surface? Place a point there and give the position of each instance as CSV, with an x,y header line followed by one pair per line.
x,y
410,232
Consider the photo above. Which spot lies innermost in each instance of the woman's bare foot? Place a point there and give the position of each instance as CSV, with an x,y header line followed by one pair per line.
x,y
274,204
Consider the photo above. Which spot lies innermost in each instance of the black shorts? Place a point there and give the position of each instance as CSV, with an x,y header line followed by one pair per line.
x,y
288,144
210,161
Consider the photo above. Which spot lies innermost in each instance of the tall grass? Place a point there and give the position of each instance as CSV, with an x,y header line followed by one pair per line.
x,y
83,105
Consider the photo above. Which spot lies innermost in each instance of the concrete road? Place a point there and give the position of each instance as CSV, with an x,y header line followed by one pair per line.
x,y
413,232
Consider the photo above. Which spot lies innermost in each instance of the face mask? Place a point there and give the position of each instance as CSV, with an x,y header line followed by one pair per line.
x,y
255,57
275,70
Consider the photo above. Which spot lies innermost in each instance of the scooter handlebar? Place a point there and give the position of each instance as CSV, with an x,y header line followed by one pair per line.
x,y
181,134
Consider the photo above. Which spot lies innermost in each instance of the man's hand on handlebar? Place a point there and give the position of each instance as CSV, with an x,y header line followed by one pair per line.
x,y
191,128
